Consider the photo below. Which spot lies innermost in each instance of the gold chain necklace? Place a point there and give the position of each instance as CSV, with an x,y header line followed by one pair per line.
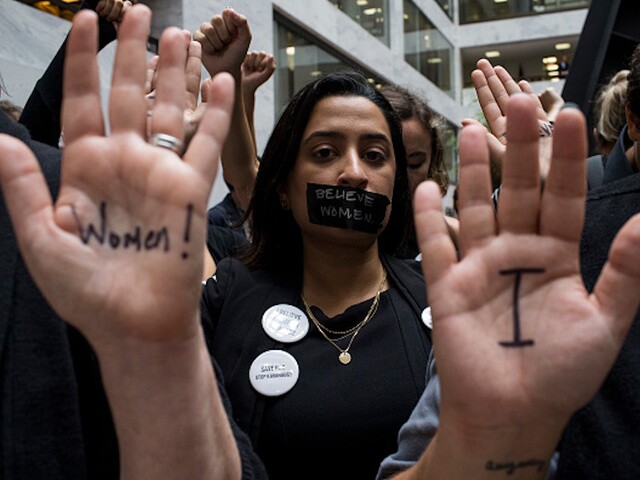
x,y
345,356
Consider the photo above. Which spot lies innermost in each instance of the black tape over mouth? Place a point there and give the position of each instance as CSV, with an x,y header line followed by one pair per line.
x,y
346,207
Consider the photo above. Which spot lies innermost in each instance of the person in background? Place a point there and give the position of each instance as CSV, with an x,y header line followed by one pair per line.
x,y
609,112
425,151
329,210
610,119
225,42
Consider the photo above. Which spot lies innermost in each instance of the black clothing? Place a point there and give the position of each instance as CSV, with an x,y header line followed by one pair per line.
x,y
602,440
338,421
616,164
224,242
41,113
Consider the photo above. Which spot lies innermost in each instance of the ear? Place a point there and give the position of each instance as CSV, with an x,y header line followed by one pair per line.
x,y
633,124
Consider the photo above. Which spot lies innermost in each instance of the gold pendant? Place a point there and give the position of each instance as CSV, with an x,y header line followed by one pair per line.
x,y
344,357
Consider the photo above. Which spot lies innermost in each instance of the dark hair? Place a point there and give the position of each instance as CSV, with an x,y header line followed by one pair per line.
x,y
408,106
633,82
276,240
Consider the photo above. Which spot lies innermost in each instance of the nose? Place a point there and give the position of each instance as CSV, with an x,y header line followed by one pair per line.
x,y
353,172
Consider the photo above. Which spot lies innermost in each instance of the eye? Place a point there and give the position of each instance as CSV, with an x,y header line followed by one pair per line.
x,y
374,156
324,153
414,166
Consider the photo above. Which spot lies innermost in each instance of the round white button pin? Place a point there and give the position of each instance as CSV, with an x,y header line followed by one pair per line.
x,y
285,323
426,317
274,373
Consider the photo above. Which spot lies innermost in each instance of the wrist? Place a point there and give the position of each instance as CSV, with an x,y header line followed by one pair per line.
x,y
460,451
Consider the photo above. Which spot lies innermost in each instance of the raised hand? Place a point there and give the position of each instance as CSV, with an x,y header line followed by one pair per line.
x,y
256,68
519,343
193,110
494,87
225,41
119,255
120,252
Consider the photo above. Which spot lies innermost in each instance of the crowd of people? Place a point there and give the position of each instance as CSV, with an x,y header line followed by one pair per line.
x,y
326,319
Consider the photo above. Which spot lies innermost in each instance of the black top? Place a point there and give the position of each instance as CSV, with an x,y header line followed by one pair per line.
x,y
602,440
338,421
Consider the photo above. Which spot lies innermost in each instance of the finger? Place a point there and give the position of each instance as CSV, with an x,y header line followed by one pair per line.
x,y
168,111
152,66
475,207
438,251
209,30
204,149
566,182
488,103
25,193
81,106
617,290
526,87
202,39
193,72
100,7
520,191
224,26
116,10
507,81
205,88
496,86
259,61
127,108
125,8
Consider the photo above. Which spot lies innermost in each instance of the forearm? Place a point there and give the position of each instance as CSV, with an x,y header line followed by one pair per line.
x,y
516,453
249,98
239,161
169,417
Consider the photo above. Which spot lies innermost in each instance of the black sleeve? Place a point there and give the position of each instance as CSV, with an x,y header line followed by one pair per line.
x,y
252,466
41,113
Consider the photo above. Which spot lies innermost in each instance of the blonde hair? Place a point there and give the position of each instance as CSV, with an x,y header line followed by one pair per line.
x,y
610,107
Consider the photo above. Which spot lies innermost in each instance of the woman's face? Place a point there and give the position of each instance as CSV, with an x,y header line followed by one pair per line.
x,y
417,142
347,143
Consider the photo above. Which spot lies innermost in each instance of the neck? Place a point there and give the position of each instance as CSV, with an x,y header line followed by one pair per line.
x,y
335,279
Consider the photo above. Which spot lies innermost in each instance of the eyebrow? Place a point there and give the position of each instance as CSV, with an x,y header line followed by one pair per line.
x,y
340,135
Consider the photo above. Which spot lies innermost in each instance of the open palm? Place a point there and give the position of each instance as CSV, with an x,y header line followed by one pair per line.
x,y
119,254
517,338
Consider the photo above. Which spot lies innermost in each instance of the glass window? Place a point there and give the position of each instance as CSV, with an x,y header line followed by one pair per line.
x,y
426,49
447,6
299,60
370,14
483,10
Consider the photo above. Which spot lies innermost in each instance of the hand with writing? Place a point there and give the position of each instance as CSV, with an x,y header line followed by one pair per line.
x,y
193,111
519,343
225,41
494,86
119,253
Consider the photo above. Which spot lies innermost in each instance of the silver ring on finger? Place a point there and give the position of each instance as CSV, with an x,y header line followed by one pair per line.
x,y
167,141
